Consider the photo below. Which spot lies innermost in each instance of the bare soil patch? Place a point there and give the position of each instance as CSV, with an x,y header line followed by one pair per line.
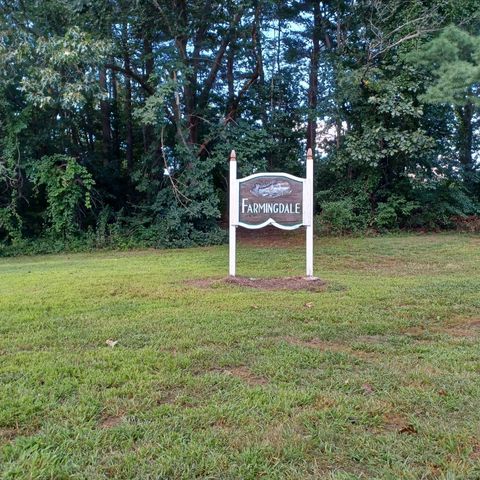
x,y
414,332
475,454
110,421
168,397
243,373
397,423
318,344
283,283
8,434
463,327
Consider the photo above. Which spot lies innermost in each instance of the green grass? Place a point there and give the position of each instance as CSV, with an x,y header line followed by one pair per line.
x,y
379,378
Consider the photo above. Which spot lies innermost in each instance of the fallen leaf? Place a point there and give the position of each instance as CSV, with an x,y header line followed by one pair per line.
x,y
111,343
408,429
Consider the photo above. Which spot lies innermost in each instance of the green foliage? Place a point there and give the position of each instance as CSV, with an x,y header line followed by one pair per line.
x,y
340,217
68,186
150,101
53,71
10,176
186,213
440,203
251,143
453,60
394,212
10,221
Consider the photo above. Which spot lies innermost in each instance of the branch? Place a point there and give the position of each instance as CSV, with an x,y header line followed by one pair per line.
x,y
201,32
203,99
411,36
230,116
128,72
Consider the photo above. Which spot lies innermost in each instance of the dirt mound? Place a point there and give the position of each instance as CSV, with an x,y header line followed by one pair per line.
x,y
283,283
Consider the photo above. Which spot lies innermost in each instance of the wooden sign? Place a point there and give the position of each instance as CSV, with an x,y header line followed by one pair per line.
x,y
277,199
271,199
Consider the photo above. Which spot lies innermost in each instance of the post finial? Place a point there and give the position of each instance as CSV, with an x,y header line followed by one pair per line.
x,y
233,156
309,154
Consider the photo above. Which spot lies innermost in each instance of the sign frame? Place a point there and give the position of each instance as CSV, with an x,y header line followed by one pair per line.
x,y
271,221
307,209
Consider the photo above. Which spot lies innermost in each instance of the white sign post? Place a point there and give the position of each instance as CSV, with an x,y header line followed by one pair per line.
x,y
308,205
277,199
233,214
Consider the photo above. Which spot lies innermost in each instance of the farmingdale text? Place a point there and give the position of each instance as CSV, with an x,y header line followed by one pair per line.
x,y
254,207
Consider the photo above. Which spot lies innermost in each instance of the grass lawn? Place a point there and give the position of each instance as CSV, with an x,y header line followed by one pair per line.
x,y
378,376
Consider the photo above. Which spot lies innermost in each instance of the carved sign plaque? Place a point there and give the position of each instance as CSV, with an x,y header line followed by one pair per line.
x,y
266,199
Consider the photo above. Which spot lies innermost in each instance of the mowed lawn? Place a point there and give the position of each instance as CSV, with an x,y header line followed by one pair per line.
x,y
378,376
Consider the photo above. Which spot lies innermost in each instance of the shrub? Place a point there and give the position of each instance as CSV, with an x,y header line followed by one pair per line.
x,y
67,186
394,212
340,217
440,204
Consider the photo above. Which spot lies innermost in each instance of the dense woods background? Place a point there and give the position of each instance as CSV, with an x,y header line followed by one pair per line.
x,y
117,117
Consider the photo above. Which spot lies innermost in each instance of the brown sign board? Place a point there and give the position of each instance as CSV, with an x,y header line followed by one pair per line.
x,y
266,199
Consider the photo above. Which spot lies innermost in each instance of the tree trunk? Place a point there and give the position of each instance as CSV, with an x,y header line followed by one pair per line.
x,y
115,121
149,68
257,45
128,104
465,136
230,79
105,113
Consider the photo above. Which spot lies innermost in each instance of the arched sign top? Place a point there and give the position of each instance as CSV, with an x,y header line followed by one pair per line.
x,y
270,174
271,198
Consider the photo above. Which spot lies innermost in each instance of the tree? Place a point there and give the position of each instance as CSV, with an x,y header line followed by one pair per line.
x,y
452,59
145,99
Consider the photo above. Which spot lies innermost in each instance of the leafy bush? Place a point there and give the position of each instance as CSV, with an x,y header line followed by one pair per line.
x,y
47,245
67,187
340,217
439,204
394,212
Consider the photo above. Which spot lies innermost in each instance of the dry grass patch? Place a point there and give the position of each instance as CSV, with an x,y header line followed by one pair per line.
x,y
110,421
463,327
395,422
330,347
323,345
460,327
246,375
241,372
8,434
